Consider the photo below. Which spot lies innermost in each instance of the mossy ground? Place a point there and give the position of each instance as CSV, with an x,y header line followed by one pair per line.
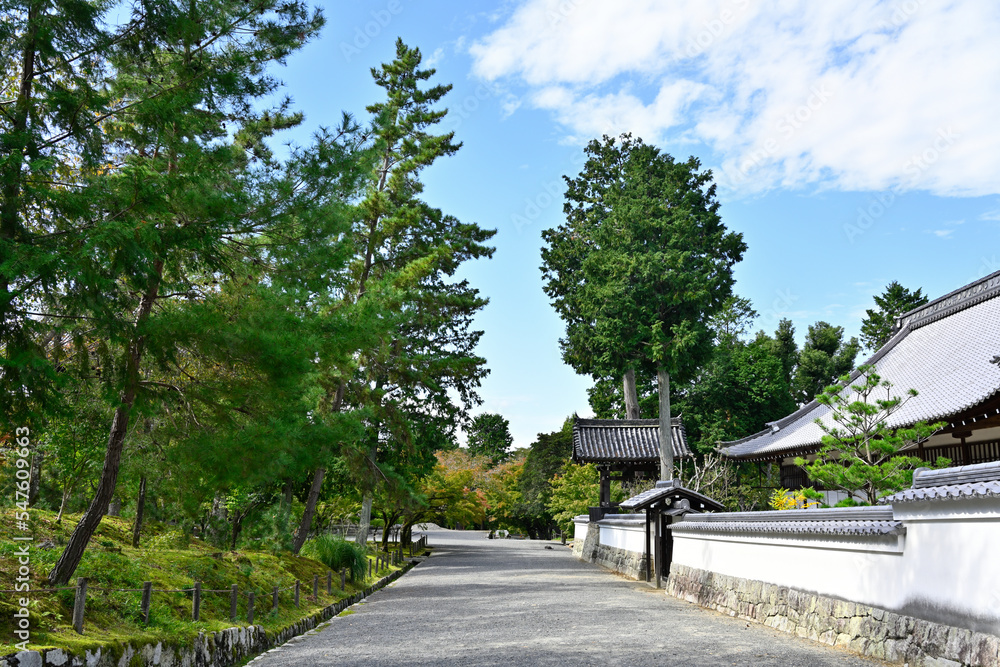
x,y
167,558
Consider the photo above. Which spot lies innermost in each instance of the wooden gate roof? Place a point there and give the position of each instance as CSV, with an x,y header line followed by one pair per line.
x,y
624,440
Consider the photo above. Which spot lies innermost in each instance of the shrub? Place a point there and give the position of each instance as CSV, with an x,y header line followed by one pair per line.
x,y
337,553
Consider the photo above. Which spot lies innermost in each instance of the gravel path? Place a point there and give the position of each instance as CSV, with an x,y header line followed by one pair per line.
x,y
513,602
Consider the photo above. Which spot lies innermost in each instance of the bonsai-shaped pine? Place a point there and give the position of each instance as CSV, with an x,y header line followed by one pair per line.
x,y
861,453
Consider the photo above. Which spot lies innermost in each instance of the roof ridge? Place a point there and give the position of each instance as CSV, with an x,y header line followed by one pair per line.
x,y
957,300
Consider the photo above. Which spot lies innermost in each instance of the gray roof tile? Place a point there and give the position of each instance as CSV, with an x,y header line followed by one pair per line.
x,y
943,350
833,521
981,480
624,440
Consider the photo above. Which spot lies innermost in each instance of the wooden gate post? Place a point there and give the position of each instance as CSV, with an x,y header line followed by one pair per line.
x,y
298,584
250,609
147,595
329,582
316,586
274,598
196,601
343,579
79,603
234,598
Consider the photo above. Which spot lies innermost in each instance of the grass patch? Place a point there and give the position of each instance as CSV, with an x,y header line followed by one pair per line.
x,y
168,559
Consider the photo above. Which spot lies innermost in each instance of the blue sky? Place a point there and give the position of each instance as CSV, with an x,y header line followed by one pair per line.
x,y
854,143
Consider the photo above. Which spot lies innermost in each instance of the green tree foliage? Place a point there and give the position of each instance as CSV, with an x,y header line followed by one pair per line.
x,y
640,265
877,326
784,347
576,489
824,358
489,436
212,305
421,379
861,454
546,457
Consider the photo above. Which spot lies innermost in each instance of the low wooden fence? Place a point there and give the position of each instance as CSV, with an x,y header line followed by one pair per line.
x,y
382,561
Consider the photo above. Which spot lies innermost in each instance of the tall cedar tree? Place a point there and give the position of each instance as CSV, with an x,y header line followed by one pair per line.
x,y
641,264
172,205
824,357
406,254
489,435
877,327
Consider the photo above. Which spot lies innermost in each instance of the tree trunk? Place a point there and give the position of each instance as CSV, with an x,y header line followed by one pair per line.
x,y
364,521
631,395
307,516
140,508
666,442
91,519
62,505
36,477
286,498
237,526
310,510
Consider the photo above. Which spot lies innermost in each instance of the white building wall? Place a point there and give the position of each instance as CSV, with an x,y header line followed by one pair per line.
x,y
945,568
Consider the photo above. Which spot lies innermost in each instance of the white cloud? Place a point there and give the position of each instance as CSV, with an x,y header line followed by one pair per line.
x,y
942,233
859,96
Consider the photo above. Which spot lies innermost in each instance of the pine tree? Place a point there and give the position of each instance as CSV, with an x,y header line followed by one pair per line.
x,y
877,327
406,253
168,210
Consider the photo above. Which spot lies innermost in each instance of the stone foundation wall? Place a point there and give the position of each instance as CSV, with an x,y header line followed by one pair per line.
x,y
232,646
630,563
586,549
866,630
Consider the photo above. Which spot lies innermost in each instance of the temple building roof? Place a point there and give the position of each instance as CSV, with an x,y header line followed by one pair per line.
x,y
624,440
948,350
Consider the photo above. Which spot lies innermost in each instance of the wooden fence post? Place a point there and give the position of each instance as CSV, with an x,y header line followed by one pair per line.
x,y
329,582
79,603
370,569
196,601
315,586
274,598
343,579
147,595
250,609
297,585
234,598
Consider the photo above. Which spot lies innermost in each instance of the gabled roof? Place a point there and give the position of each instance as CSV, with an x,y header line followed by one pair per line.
x,y
672,491
624,440
943,349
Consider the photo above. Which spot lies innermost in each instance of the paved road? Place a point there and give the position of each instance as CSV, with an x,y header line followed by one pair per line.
x,y
513,602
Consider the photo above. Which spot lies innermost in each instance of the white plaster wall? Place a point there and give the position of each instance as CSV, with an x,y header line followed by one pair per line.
x,y
630,537
946,568
580,529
